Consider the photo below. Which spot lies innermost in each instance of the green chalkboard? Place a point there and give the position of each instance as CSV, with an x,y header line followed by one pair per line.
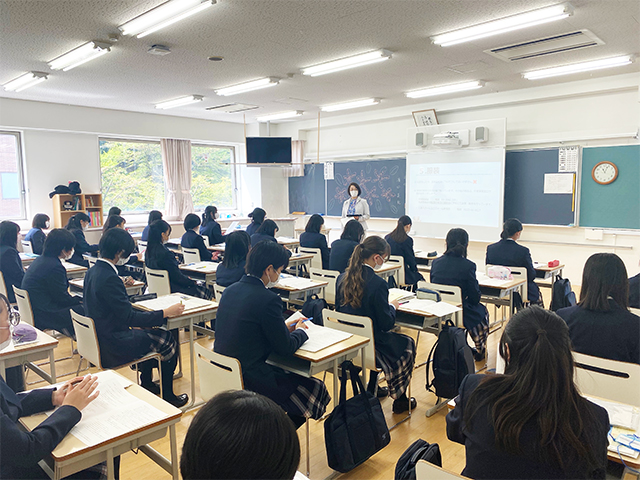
x,y
616,205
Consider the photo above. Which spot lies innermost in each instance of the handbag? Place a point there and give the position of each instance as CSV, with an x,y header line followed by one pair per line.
x,y
418,450
356,429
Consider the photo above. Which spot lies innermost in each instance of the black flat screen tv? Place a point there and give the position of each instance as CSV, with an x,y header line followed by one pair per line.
x,y
268,150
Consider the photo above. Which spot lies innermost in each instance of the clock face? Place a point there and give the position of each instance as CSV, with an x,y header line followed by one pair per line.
x,y
604,173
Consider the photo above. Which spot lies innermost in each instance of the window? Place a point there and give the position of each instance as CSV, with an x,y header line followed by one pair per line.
x,y
212,177
11,186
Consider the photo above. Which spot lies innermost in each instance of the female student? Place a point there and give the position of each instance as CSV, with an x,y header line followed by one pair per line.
x,y
453,268
10,263
342,249
114,211
240,434
250,326
76,225
210,228
46,282
154,215
116,221
312,238
191,238
360,291
36,236
634,291
402,244
509,253
356,206
113,221
125,333
267,231
601,324
257,217
530,422
232,267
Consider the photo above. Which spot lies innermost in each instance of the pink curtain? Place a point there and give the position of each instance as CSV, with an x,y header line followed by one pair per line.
x,y
297,160
176,161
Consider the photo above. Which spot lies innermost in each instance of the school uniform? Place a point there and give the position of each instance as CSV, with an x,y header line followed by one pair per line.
x,y
341,251
250,327
82,247
164,259
509,253
316,240
212,230
191,239
48,287
614,334
485,460
395,352
356,206
405,249
11,268
259,237
253,227
145,234
634,291
37,237
228,276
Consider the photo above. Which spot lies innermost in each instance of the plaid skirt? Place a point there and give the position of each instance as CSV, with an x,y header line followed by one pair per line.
x,y
398,370
162,342
309,399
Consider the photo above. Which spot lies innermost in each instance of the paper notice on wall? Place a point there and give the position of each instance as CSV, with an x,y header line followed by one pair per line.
x,y
328,171
555,183
568,159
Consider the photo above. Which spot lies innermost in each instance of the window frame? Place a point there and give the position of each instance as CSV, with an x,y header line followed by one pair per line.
x,y
234,176
21,174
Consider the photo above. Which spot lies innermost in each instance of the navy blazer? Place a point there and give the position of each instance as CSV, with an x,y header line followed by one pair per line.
x,y
165,259
405,249
107,303
634,291
37,237
21,451
250,327
316,240
253,227
213,231
485,460
82,247
614,334
510,254
11,268
341,251
228,276
453,270
191,239
259,237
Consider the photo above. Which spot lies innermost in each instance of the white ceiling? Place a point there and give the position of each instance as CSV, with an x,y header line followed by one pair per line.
x,y
260,38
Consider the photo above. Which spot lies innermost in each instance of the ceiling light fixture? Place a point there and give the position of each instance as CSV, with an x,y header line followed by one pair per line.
x,y
349,62
78,56
179,102
25,81
503,25
579,67
348,105
280,116
248,86
458,87
164,15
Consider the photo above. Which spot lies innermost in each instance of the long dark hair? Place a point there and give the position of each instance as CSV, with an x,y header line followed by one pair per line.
x,y
236,248
40,220
112,222
399,235
314,224
153,216
257,216
74,221
353,284
510,228
9,233
537,386
604,276
209,214
155,248
457,242
268,227
353,230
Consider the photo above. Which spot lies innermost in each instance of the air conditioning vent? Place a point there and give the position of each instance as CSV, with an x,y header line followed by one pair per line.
x,y
546,46
233,107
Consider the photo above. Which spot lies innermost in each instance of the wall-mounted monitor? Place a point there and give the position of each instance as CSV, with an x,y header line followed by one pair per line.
x,y
268,150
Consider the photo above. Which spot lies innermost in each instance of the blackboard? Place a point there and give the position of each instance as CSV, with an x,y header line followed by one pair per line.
x,y
307,194
524,196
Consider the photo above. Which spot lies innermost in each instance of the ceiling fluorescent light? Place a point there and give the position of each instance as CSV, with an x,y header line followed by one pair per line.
x,y
25,81
164,15
280,116
579,67
179,102
80,55
347,105
503,25
248,86
349,62
458,87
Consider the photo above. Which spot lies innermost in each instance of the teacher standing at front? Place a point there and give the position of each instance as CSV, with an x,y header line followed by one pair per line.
x,y
355,207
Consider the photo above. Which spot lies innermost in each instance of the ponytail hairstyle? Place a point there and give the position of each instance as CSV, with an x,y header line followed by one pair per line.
x,y
74,221
155,246
113,221
538,387
268,227
154,215
604,276
209,214
399,235
353,284
457,242
510,228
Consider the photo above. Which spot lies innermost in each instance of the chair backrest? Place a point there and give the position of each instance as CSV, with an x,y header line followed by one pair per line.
x,y
142,244
86,338
158,281
217,372
635,311
3,286
206,240
24,305
330,276
518,273
26,246
607,379
316,261
429,471
217,291
92,260
356,325
191,255
448,293
398,259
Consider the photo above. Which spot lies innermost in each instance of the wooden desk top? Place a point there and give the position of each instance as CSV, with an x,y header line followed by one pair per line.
x,y
72,267
79,282
422,313
301,256
43,341
425,256
543,267
217,248
505,286
287,242
312,285
387,267
201,267
205,308
333,350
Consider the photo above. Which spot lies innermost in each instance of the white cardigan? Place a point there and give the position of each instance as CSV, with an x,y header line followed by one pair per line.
x,y
362,209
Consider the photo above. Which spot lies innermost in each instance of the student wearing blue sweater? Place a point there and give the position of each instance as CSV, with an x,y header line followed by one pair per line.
x,y
154,215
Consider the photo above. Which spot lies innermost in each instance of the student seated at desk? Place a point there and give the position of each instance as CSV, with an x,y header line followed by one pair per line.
x,y
210,228
312,238
114,211
453,268
125,333
402,244
250,327
10,263
192,239
154,216
267,231
359,291
240,434
36,236
136,258
509,253
634,291
76,225
257,217
342,249
233,264
530,422
601,323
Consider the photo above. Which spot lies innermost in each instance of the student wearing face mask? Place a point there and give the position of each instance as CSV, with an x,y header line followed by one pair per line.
x,y
36,236
250,327
355,207
210,228
77,225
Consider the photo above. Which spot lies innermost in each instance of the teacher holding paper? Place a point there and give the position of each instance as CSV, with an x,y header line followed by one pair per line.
x,y
355,207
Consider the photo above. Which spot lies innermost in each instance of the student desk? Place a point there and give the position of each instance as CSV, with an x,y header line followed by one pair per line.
x,y
423,321
27,258
174,244
422,258
288,242
544,272
286,225
387,270
71,455
73,270
77,286
299,294
499,294
323,230
201,271
217,248
43,347
298,259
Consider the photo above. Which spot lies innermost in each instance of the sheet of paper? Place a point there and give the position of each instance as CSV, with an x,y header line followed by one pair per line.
x,y
167,301
483,279
620,415
568,159
286,240
422,305
233,227
322,337
328,170
558,183
399,294
204,267
295,282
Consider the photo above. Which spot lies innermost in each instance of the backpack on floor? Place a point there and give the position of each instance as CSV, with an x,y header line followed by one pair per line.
x,y
452,360
561,294
418,450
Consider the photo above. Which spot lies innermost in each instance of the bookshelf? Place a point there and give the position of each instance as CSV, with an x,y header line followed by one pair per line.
x,y
89,203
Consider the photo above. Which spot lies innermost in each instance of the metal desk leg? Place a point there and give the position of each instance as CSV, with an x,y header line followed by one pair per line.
x,y
192,362
308,462
174,452
335,381
52,366
110,467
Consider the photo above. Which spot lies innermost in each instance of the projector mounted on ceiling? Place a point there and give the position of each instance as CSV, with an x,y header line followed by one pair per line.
x,y
457,138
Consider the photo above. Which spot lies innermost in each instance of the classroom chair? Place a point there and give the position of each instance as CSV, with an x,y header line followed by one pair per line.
x,y
399,259
191,255
26,246
607,379
89,348
330,276
92,260
428,471
217,291
217,373
3,286
158,281
316,261
206,240
517,273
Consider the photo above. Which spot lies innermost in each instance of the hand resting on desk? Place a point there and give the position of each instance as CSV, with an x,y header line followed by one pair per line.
x,y
173,311
78,392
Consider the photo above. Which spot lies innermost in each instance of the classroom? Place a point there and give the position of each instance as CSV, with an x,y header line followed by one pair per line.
x,y
163,119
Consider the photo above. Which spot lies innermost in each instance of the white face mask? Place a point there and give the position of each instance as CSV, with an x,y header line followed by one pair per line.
x,y
70,255
122,261
47,225
216,216
7,342
271,283
84,227
354,193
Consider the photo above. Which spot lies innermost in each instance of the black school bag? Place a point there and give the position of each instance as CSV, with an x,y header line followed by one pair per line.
x,y
561,294
418,450
313,307
452,361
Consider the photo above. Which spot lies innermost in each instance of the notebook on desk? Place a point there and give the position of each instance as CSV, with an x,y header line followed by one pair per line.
x,y
400,294
319,337
166,301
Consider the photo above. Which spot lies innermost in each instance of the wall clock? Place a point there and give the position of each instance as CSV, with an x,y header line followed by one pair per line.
x,y
604,173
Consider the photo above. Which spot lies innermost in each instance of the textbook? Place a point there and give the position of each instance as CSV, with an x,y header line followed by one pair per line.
x,y
166,301
319,337
400,294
